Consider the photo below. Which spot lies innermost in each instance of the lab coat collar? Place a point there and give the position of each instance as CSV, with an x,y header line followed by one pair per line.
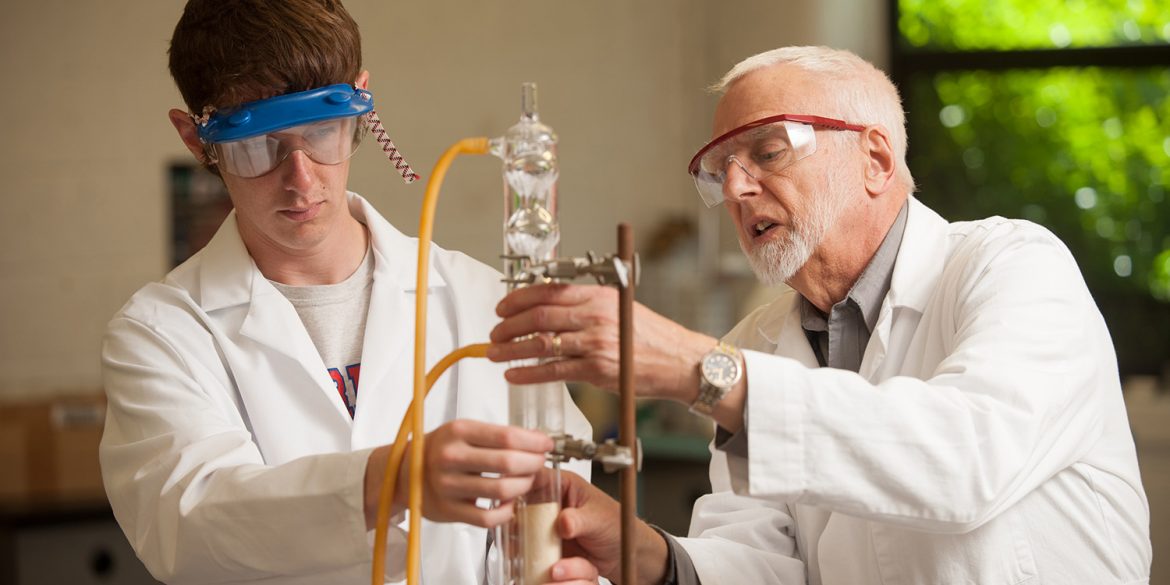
x,y
920,258
226,270
779,316
229,276
390,324
399,268
919,263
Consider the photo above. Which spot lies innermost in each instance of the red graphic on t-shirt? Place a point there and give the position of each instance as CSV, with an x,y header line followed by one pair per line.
x,y
347,389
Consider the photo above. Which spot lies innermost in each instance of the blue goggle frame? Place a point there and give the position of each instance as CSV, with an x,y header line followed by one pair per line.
x,y
285,111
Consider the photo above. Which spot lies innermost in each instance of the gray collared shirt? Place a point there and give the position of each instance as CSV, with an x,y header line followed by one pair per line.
x,y
838,340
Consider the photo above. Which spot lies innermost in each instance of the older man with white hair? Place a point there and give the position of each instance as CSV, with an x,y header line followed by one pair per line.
x,y
931,402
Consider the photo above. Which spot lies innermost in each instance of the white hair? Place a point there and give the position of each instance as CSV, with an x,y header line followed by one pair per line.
x,y
862,93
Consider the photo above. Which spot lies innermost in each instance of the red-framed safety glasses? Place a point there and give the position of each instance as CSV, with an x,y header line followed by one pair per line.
x,y
761,148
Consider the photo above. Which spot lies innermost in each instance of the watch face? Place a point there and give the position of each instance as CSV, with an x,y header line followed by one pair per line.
x,y
720,370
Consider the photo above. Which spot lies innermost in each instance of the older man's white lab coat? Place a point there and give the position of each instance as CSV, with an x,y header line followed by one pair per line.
x,y
984,440
228,456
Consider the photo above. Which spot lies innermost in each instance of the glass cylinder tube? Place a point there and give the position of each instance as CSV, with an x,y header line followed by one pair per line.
x,y
528,545
533,543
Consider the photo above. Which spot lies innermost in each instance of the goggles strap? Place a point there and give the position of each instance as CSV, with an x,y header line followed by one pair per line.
x,y
201,120
388,147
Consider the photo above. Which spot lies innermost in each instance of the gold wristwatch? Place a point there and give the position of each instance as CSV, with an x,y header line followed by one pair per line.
x,y
719,371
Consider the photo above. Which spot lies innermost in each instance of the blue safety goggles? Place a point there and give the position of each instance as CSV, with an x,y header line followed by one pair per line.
x,y
326,123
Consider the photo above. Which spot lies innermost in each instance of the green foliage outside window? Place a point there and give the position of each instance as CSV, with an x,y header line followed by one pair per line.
x,y
968,25
1084,151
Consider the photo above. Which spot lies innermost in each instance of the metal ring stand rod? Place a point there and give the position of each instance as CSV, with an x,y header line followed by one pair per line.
x,y
627,433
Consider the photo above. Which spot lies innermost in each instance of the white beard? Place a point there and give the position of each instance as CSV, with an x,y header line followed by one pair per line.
x,y
777,261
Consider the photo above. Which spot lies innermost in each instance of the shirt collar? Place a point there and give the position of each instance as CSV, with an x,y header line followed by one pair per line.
x,y
871,287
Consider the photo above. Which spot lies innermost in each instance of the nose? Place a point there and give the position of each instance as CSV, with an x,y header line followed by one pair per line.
x,y
739,182
298,171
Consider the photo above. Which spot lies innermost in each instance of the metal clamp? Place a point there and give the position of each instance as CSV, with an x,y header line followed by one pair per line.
x,y
613,457
609,270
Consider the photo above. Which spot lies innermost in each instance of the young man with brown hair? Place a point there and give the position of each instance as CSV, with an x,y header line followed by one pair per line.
x,y
237,445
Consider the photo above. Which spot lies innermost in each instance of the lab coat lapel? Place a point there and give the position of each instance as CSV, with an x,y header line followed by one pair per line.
x,y
229,277
793,342
386,384
384,391
480,375
875,350
783,315
918,265
273,323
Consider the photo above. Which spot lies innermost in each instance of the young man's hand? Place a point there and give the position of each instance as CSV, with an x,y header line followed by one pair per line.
x,y
456,455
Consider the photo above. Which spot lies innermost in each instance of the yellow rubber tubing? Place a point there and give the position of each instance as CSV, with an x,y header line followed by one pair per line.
x,y
398,450
425,233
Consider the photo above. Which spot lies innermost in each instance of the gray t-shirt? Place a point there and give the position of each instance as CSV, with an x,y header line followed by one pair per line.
x,y
335,317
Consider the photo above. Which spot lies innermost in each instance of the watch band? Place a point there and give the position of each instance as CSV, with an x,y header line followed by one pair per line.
x,y
709,394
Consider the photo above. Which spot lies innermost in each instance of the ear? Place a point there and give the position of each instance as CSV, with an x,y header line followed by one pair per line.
x,y
363,80
880,160
188,133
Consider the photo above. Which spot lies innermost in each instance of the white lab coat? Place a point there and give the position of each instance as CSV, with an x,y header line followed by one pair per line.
x,y
228,456
983,441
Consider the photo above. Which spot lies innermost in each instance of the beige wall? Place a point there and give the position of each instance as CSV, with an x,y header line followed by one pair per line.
x,y
85,140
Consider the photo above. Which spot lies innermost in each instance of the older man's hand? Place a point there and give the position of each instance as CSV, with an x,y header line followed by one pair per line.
x,y
590,524
578,324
